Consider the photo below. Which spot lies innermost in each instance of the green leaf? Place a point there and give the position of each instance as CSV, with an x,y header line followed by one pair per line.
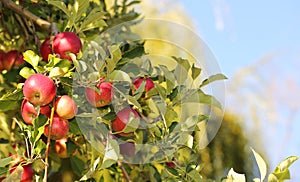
x,y
212,79
195,176
285,164
77,165
16,175
26,72
80,7
93,20
5,161
118,75
134,52
60,5
132,100
200,97
31,58
7,105
261,165
234,177
195,72
170,79
282,172
39,125
132,124
112,153
4,141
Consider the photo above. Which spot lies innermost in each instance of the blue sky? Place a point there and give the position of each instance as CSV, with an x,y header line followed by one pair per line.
x,y
240,33
251,29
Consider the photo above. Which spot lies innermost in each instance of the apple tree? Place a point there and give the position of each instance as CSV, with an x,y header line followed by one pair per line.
x,y
82,100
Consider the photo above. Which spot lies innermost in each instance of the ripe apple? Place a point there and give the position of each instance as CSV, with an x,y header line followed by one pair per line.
x,y
1,60
66,42
9,59
148,86
65,107
103,97
29,113
61,148
19,59
28,173
59,130
171,164
123,116
46,49
127,149
39,89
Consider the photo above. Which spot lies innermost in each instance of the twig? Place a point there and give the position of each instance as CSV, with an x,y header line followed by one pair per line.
x,y
124,172
45,25
48,145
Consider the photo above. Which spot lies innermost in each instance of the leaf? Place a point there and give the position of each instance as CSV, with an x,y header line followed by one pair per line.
x,y
77,165
80,7
132,124
4,141
60,5
16,175
5,161
194,175
195,72
234,177
170,79
93,20
39,125
118,75
31,58
91,171
212,79
200,97
282,172
112,152
26,72
134,52
261,165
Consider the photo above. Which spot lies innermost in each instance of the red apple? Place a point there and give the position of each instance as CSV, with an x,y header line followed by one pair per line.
x,y
39,89
61,148
59,130
127,149
28,173
66,42
148,86
9,59
1,60
46,49
103,97
29,113
123,116
65,107
19,59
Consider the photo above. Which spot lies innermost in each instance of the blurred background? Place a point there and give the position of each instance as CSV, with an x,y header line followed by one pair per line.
x,y
257,45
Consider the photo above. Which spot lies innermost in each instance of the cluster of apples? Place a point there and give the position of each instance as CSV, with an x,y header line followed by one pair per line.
x,y
40,91
10,59
103,96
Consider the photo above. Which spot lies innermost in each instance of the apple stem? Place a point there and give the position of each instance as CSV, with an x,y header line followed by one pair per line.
x,y
48,143
124,172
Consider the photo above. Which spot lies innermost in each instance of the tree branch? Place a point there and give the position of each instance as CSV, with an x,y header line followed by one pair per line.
x,y
45,25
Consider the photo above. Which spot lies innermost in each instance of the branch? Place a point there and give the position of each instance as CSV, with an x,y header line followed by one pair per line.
x,y
45,25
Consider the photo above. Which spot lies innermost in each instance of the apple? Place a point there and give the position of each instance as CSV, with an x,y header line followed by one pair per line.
x,y
59,130
103,97
66,42
27,175
61,148
1,60
19,59
148,86
46,49
65,107
123,116
39,90
29,113
171,164
127,149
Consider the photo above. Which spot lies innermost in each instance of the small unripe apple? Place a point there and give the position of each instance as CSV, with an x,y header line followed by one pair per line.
x,y
66,42
29,113
46,49
127,149
148,86
27,175
39,90
65,107
103,97
120,122
59,130
61,148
